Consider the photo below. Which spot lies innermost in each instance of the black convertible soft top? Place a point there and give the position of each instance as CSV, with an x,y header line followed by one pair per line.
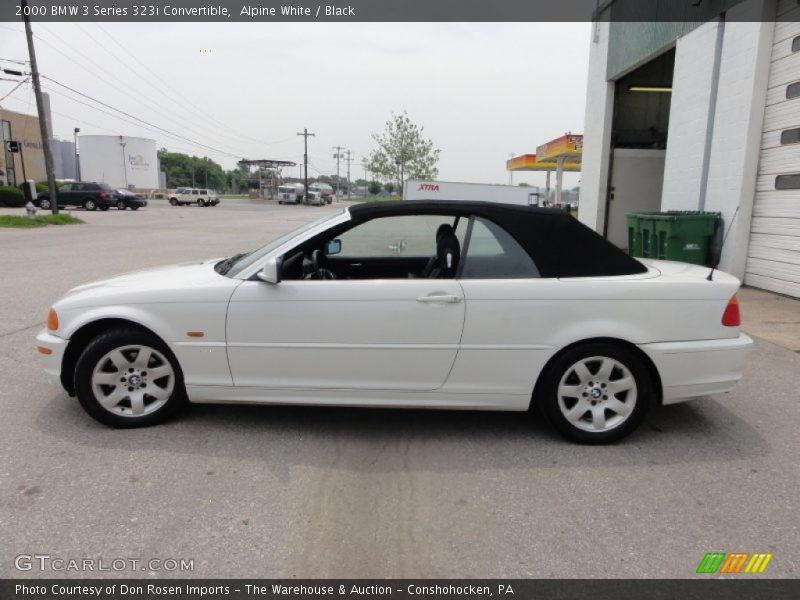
x,y
560,245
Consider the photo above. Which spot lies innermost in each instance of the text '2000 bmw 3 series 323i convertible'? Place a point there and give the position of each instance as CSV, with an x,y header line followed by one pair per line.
x,y
417,304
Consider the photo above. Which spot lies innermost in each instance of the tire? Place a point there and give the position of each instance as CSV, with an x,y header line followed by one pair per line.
x,y
44,203
612,395
90,204
173,202
134,208
116,354
199,202
104,208
120,205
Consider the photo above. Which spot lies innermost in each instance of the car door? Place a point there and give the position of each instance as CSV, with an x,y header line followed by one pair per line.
x,y
66,195
399,333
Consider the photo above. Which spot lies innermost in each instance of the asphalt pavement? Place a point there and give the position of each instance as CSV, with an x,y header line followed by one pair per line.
x,y
328,492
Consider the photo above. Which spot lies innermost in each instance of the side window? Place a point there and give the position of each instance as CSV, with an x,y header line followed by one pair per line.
x,y
195,192
493,254
67,187
412,235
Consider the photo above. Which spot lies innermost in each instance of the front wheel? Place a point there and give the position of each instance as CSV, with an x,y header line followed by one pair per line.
x,y
173,201
596,393
129,378
199,203
120,205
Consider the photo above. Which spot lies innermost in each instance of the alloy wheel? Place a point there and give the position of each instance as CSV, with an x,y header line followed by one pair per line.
x,y
131,381
597,394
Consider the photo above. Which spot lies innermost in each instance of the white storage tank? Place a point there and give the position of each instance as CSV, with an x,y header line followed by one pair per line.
x,y
120,161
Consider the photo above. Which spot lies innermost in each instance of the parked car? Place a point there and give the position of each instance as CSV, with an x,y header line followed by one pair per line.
x,y
127,199
200,197
88,194
417,304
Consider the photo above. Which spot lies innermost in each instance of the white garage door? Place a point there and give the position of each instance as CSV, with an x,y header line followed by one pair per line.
x,y
773,260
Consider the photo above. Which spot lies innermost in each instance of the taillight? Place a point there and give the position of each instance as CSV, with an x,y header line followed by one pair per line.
x,y
731,318
103,195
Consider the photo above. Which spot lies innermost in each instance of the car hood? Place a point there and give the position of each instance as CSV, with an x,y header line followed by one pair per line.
x,y
186,282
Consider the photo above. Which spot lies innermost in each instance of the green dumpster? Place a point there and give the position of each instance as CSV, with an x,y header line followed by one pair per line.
x,y
672,235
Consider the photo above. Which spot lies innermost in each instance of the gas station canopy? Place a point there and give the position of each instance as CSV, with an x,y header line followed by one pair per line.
x,y
559,155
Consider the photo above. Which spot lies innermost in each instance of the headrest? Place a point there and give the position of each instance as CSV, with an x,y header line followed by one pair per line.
x,y
448,251
444,229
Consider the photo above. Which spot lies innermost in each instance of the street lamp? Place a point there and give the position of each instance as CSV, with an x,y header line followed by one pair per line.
x,y
124,162
77,169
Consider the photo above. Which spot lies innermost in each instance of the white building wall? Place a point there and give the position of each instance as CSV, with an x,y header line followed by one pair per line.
x,y
689,115
733,166
596,132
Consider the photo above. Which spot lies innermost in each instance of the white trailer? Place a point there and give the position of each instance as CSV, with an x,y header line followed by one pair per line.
x,y
416,189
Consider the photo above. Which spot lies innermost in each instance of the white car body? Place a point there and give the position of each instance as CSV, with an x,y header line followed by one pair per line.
x,y
374,343
198,196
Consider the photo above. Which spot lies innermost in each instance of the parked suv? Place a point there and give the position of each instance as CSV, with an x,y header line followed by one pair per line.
x,y
88,194
201,197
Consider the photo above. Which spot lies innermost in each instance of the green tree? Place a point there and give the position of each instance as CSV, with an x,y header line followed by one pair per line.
x,y
389,187
374,187
197,171
403,152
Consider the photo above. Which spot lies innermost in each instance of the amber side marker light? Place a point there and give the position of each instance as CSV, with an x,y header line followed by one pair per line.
x,y
195,333
731,317
43,350
52,320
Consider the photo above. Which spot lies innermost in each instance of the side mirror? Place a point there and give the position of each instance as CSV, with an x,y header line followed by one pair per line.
x,y
333,247
270,271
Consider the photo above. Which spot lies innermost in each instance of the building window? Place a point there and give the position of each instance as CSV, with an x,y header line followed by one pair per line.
x,y
796,44
793,90
788,182
790,136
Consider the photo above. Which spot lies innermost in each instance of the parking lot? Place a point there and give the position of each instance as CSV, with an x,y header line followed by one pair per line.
x,y
328,492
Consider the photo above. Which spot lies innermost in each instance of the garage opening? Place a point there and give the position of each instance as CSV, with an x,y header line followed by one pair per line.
x,y
638,144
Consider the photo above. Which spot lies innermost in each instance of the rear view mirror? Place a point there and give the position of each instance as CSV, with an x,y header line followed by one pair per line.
x,y
270,271
333,247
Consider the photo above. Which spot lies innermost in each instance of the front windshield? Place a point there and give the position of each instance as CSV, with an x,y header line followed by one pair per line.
x,y
248,259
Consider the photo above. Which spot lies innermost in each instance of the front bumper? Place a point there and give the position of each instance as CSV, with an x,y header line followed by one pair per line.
x,y
51,362
698,368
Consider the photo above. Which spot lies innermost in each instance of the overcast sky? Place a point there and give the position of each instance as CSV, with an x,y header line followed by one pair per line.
x,y
481,91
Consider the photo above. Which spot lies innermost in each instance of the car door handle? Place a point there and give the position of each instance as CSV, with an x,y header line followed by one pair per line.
x,y
441,298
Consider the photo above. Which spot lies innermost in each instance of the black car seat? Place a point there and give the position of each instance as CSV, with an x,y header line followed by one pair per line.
x,y
444,228
448,253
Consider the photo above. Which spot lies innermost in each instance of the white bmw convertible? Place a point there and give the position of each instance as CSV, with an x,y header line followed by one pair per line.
x,y
445,305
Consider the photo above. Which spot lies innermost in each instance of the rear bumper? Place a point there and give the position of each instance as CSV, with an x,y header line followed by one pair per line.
x,y
698,368
51,362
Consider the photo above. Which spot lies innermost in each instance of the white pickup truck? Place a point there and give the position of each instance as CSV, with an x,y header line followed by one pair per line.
x,y
200,197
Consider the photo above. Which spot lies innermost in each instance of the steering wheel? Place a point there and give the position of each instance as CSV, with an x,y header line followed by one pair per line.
x,y
319,261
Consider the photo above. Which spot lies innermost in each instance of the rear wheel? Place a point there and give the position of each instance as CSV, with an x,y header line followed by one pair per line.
x,y
90,204
44,203
199,202
128,378
120,205
596,393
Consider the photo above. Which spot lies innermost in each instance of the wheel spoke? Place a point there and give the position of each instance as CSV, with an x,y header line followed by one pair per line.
x,y
118,359
598,418
621,385
114,398
576,412
158,393
606,367
623,409
137,403
106,378
158,372
142,358
582,371
570,391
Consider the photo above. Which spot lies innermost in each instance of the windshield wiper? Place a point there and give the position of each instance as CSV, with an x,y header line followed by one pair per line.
x,y
226,265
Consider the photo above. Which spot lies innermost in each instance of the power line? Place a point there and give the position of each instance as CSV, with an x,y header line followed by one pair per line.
x,y
127,114
15,88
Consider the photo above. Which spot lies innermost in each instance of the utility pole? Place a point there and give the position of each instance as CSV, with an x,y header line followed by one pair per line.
x,y
305,135
349,158
337,156
43,130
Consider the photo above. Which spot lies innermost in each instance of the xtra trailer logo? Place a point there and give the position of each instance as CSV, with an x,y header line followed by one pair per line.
x,y
734,562
428,187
